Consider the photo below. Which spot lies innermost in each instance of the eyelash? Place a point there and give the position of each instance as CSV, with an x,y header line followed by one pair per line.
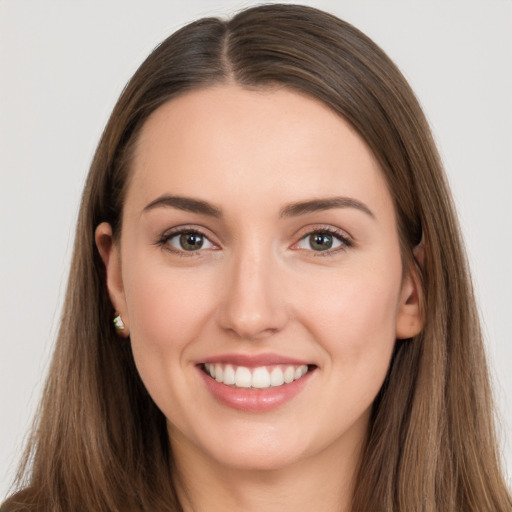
x,y
163,241
340,236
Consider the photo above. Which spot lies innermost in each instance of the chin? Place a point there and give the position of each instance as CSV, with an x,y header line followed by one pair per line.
x,y
264,450
259,460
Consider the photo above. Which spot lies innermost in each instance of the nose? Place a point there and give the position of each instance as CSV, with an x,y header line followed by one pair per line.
x,y
253,305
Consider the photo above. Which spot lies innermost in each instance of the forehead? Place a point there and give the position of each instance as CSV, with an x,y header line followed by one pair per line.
x,y
229,143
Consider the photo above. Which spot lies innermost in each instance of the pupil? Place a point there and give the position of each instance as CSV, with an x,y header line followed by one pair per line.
x,y
191,241
321,242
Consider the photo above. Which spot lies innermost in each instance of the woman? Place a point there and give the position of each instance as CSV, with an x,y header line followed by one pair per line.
x,y
267,224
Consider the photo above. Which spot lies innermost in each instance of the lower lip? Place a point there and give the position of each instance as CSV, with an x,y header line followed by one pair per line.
x,y
254,400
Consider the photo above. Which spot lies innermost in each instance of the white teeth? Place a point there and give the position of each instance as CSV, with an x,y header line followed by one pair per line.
x,y
243,377
219,373
276,377
300,371
258,378
229,375
289,374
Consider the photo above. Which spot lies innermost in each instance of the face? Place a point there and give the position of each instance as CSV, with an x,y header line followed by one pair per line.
x,y
259,275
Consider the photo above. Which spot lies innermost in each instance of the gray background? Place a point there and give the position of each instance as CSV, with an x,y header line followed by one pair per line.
x,y
63,65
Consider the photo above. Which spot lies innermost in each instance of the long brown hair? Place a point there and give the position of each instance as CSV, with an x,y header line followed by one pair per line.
x,y
100,443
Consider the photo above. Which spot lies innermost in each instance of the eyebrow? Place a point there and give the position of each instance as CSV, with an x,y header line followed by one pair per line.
x,y
186,204
189,204
318,205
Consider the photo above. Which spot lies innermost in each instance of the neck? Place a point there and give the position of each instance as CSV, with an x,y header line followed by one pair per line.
x,y
323,483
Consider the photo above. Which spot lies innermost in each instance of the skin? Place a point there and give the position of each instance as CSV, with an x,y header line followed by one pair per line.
x,y
257,286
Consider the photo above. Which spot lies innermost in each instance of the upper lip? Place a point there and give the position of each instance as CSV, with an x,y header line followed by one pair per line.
x,y
254,360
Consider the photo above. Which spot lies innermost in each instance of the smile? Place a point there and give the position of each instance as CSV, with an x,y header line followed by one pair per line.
x,y
255,383
261,377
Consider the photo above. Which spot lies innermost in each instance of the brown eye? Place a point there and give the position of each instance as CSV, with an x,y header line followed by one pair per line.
x,y
323,241
320,241
189,241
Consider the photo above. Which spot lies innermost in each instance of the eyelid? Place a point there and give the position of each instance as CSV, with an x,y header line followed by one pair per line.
x,y
164,238
346,239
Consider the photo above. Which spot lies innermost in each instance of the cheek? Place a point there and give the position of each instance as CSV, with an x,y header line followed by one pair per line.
x,y
353,317
162,302
167,309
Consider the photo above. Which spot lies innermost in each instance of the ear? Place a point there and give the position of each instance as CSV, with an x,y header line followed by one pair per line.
x,y
409,318
110,254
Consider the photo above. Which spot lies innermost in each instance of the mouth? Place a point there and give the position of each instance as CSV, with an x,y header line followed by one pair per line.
x,y
255,383
260,377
